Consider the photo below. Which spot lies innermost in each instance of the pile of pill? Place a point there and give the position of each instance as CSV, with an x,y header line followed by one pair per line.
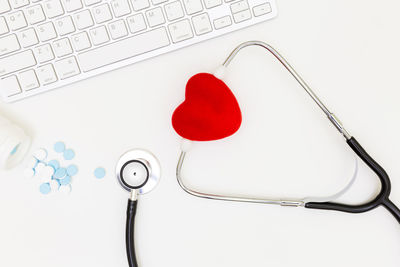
x,y
51,175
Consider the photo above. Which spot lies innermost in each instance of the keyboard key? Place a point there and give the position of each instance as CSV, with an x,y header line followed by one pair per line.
x,y
62,47
192,6
242,16
46,74
80,41
67,68
83,20
9,86
16,20
155,17
117,29
46,32
28,80
262,9
99,35
16,62
28,37
212,3
91,2
19,3
4,6
201,24
126,48
174,10
44,53
102,13
222,22
72,5
3,26
53,8
9,44
136,23
34,14
239,6
65,26
140,4
180,31
120,8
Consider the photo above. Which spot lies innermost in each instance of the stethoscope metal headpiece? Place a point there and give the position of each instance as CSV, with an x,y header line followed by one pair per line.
x,y
138,162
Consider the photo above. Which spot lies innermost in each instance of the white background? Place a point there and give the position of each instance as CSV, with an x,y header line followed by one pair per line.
x,y
348,51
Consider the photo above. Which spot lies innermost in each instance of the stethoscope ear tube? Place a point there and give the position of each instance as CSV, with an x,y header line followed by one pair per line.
x,y
381,199
130,232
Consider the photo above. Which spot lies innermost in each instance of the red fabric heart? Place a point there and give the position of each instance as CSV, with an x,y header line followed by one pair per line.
x,y
210,110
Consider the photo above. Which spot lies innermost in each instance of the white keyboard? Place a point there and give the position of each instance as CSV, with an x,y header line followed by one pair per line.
x,y
45,44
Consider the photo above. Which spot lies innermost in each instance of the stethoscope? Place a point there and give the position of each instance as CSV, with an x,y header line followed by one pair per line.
x,y
313,203
138,172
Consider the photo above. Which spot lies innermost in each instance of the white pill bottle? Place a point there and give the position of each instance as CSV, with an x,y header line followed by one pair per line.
x,y
14,144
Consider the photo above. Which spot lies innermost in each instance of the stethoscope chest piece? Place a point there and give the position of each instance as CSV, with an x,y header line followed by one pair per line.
x,y
138,170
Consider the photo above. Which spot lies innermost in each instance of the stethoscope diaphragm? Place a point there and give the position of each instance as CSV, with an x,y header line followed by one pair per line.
x,y
138,170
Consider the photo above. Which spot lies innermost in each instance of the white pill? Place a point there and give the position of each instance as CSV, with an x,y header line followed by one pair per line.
x,y
40,154
40,167
29,173
65,189
48,171
54,185
45,174
31,162
45,179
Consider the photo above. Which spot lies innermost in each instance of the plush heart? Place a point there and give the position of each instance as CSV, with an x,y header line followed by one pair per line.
x,y
210,110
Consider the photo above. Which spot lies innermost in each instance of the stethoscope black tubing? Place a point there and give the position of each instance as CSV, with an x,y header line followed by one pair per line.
x,y
381,199
130,233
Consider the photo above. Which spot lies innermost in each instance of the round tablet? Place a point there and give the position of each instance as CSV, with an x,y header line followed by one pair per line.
x,y
45,188
46,174
72,170
60,173
54,185
99,173
69,154
66,189
59,147
54,163
40,154
66,180
39,167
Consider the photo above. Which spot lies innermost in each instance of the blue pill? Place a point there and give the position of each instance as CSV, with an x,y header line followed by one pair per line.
x,y
45,188
65,181
54,163
69,154
72,170
59,147
60,173
99,173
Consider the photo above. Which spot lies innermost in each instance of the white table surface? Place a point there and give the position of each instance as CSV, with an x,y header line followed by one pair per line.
x,y
348,51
